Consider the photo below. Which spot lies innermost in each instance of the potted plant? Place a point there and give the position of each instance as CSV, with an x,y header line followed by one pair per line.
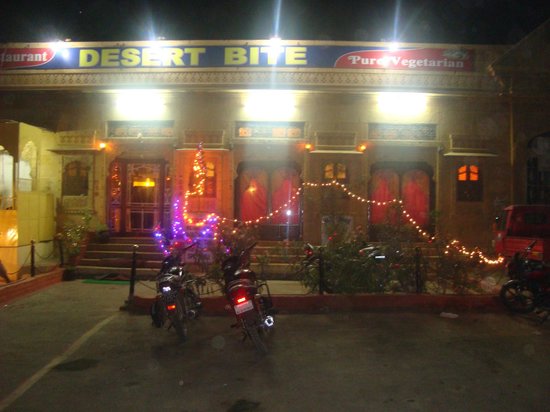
x,y
102,233
73,241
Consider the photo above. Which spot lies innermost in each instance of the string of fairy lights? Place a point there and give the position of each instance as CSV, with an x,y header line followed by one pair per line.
x,y
208,226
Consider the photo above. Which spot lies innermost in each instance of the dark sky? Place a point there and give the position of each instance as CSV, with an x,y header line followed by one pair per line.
x,y
438,21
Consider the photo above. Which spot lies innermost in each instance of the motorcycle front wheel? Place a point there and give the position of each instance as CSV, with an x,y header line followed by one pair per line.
x,y
517,297
178,319
192,304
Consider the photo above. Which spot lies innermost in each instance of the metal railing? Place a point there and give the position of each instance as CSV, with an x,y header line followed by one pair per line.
x,y
35,262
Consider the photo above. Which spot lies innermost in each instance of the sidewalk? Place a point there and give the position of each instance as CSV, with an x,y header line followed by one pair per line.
x,y
146,289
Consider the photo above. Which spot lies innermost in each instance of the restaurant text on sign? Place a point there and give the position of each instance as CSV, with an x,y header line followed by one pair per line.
x,y
192,55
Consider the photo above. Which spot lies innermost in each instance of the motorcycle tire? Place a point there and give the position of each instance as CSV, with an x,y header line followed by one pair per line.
x,y
253,332
179,319
193,304
157,314
517,297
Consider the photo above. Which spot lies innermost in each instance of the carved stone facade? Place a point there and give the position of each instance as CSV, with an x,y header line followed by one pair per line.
x,y
335,128
357,82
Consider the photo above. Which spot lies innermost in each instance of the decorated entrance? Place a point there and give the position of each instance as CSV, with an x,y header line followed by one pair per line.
x,y
137,196
267,189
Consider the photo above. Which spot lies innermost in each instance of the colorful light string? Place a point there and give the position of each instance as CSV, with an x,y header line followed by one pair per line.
x,y
207,227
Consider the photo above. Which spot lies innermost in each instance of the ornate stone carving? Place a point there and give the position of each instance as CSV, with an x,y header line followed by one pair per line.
x,y
76,138
314,79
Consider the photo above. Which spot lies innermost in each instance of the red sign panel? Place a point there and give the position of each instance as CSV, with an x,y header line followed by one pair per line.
x,y
409,59
28,57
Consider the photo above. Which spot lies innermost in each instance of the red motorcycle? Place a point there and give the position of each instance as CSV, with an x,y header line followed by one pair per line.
x,y
529,286
249,299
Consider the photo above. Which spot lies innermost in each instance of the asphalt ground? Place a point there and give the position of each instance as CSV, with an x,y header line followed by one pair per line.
x,y
69,348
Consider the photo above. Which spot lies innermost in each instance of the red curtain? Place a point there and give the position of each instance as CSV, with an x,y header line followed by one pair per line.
x,y
253,199
285,184
415,194
385,185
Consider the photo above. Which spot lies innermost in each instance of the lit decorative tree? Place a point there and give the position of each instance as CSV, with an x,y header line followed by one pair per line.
x,y
181,218
199,173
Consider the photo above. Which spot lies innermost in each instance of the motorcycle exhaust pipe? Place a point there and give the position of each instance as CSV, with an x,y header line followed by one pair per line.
x,y
269,321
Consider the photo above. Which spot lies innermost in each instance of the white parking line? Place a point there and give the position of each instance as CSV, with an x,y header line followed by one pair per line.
x,y
26,385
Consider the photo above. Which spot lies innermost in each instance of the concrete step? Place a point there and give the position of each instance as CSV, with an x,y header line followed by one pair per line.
x,y
109,254
123,247
119,262
132,240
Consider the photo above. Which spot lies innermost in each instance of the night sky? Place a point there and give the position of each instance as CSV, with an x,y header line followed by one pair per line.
x,y
437,21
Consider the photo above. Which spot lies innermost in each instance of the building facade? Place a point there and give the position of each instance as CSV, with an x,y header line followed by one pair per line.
x,y
440,127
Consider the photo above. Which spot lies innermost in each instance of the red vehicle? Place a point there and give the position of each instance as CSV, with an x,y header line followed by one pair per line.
x,y
521,226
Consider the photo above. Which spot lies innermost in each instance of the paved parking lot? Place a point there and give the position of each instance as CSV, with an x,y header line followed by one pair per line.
x,y
69,348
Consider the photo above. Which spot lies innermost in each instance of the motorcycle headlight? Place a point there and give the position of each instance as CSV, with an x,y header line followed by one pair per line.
x,y
166,289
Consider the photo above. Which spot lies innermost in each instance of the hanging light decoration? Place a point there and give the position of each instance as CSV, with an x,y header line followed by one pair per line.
x,y
209,224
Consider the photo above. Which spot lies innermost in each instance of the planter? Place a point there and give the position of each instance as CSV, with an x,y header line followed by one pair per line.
x,y
102,236
69,274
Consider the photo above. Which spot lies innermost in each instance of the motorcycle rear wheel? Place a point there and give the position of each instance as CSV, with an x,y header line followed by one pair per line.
x,y
258,341
253,331
517,297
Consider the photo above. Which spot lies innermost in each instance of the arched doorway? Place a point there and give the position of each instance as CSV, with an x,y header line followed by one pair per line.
x,y
138,196
267,189
409,181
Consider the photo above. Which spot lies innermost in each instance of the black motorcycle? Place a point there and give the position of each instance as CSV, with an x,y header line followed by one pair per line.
x,y
249,299
177,299
529,286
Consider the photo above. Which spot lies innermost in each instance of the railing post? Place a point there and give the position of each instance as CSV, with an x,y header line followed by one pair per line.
x,y
60,246
33,263
4,273
133,274
418,275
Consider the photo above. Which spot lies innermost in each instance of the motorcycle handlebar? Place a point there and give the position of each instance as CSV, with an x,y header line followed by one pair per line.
x,y
176,248
248,249
189,247
526,251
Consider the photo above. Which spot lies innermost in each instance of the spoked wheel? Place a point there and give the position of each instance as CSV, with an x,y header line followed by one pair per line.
x,y
178,319
517,297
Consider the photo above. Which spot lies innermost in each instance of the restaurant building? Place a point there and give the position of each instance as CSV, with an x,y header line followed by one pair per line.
x,y
456,132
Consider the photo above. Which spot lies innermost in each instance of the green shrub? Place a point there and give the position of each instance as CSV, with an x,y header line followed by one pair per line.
x,y
403,270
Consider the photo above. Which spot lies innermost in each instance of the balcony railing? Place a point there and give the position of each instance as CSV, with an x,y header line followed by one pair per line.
x,y
471,145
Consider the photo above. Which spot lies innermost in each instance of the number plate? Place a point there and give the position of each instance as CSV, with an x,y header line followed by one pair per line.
x,y
243,307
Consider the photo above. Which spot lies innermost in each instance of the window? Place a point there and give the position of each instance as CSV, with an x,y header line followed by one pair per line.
x,y
469,186
538,170
335,171
75,179
6,180
338,172
209,180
